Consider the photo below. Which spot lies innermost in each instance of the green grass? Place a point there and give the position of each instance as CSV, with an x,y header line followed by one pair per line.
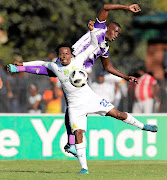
x,y
61,169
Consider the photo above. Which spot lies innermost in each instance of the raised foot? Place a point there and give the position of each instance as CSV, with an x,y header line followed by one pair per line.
x,y
70,149
152,128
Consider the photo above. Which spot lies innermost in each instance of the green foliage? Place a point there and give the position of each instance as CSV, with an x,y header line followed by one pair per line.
x,y
36,26
161,5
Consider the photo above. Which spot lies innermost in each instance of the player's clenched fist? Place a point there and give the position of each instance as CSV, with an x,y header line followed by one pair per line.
x,y
91,25
134,8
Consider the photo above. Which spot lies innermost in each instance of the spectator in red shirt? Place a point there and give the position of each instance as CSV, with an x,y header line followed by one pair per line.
x,y
145,92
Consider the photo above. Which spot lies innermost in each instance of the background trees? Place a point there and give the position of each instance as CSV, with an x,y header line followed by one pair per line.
x,y
36,26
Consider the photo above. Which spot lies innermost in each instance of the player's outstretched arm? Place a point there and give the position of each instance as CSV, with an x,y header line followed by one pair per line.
x,y
93,43
39,70
111,69
103,14
30,63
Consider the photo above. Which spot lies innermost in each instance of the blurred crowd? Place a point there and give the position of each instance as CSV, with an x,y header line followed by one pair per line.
x,y
29,93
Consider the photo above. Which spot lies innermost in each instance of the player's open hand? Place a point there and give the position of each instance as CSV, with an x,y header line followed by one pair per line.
x,y
134,8
16,63
91,25
133,79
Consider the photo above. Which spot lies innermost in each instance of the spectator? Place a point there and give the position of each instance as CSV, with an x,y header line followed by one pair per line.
x,y
145,92
1,83
22,92
114,81
52,56
34,100
63,101
52,99
103,88
5,92
14,101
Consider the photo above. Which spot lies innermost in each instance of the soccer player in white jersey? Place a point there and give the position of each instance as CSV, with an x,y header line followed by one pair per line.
x,y
104,34
83,101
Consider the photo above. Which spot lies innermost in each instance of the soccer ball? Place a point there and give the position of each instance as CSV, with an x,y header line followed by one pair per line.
x,y
78,78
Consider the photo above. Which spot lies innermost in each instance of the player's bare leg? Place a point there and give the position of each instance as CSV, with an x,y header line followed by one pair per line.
x,y
129,119
81,151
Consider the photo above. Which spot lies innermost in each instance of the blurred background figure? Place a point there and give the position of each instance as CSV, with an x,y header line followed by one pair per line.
x,y
22,91
34,100
52,56
14,101
5,92
115,82
52,98
103,88
146,93
1,83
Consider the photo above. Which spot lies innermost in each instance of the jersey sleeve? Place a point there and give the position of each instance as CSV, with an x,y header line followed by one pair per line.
x,y
34,63
51,67
105,54
100,24
94,44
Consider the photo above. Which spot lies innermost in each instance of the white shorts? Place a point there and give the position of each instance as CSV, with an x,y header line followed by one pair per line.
x,y
93,104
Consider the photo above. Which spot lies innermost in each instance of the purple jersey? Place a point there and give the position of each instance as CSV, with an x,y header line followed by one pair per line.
x,y
84,42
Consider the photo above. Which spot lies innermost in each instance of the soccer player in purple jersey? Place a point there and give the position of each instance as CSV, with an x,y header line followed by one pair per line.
x,y
104,34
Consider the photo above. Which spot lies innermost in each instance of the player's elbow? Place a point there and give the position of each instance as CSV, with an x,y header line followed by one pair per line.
x,y
107,7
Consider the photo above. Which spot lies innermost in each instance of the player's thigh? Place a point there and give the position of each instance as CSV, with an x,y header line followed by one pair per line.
x,y
98,105
77,120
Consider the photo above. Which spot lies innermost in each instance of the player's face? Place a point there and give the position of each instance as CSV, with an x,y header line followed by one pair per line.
x,y
65,55
113,32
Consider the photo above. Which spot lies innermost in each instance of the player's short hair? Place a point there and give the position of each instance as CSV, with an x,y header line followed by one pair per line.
x,y
117,24
63,45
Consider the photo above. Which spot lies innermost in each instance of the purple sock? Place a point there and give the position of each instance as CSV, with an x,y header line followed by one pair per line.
x,y
21,68
71,139
36,70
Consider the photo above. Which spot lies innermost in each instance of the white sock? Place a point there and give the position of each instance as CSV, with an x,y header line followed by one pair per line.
x,y
133,121
81,155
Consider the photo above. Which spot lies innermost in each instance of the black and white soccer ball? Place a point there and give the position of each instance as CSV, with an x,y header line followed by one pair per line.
x,y
78,78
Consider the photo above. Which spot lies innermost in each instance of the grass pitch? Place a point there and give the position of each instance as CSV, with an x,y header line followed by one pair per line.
x,y
66,169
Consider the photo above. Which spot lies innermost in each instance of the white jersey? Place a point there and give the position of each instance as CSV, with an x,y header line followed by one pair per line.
x,y
81,100
63,73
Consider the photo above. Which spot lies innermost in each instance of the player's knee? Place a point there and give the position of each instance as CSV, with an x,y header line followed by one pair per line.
x,y
120,116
